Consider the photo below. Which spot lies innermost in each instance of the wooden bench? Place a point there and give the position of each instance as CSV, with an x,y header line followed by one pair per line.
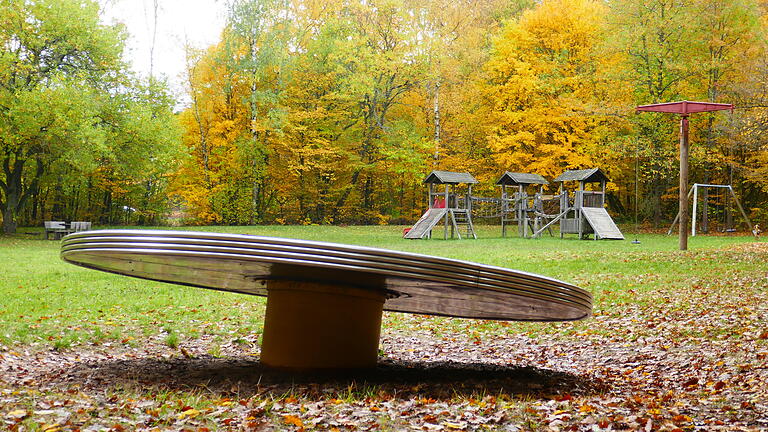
x,y
55,227
80,226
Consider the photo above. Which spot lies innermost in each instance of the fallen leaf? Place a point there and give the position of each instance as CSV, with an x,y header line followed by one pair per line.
x,y
293,420
17,414
189,413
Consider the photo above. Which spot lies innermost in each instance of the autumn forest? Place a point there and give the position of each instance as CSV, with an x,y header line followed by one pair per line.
x,y
333,112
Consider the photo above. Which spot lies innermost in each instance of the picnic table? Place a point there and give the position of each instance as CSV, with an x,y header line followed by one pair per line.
x,y
61,228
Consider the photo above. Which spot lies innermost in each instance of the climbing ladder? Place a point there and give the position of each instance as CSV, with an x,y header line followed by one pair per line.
x,y
463,218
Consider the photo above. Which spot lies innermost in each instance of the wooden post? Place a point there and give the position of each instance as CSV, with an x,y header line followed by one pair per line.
x,y
683,183
447,213
602,200
741,209
429,196
537,200
306,326
468,204
504,209
579,198
520,212
563,206
430,203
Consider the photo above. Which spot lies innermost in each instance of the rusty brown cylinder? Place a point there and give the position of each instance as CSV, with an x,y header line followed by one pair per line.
x,y
311,326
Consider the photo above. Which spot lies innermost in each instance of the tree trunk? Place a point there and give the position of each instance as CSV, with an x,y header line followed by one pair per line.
x,y
58,201
657,191
254,196
9,211
343,199
367,193
106,217
436,108
15,193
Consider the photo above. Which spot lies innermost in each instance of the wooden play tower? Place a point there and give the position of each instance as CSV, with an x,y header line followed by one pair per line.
x,y
517,206
584,213
448,206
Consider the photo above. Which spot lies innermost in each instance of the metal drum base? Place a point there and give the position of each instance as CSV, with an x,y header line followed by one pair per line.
x,y
310,326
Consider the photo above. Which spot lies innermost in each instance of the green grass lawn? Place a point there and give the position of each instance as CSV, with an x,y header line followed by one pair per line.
x,y
677,340
47,301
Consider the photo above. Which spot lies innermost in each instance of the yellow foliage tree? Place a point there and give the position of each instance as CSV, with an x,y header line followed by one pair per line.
x,y
213,125
543,76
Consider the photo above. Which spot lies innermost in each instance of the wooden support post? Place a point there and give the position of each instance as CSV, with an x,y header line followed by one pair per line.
x,y
468,204
602,199
468,209
520,212
683,239
430,204
741,209
579,204
447,214
504,209
563,206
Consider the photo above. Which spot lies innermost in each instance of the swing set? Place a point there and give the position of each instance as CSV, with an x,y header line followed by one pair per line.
x,y
727,193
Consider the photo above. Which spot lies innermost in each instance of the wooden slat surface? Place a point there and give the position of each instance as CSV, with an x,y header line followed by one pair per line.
x,y
427,221
602,223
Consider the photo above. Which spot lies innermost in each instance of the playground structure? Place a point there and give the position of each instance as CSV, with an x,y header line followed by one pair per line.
x,y
728,192
581,214
448,206
584,213
519,206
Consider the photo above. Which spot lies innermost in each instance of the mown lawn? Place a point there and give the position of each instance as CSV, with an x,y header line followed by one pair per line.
x,y
678,341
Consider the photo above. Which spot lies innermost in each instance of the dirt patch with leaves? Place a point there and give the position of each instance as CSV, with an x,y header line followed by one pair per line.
x,y
687,356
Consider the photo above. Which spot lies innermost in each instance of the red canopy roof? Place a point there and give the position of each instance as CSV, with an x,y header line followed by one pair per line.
x,y
685,107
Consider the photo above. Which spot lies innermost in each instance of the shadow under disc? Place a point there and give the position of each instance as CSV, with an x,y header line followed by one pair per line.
x,y
245,376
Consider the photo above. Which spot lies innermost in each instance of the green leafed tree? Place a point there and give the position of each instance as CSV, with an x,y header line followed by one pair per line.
x,y
67,100
258,43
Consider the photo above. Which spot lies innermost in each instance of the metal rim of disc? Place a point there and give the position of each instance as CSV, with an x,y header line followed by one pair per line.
x,y
473,275
563,310
72,256
251,248
313,256
167,235
424,275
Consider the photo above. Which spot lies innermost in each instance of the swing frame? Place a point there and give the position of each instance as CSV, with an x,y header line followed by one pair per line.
x,y
695,192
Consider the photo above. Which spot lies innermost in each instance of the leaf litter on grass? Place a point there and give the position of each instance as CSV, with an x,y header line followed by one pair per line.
x,y
680,352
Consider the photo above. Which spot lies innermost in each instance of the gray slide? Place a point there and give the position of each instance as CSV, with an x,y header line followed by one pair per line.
x,y
601,223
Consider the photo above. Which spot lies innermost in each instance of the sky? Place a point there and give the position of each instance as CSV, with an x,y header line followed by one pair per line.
x,y
199,22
